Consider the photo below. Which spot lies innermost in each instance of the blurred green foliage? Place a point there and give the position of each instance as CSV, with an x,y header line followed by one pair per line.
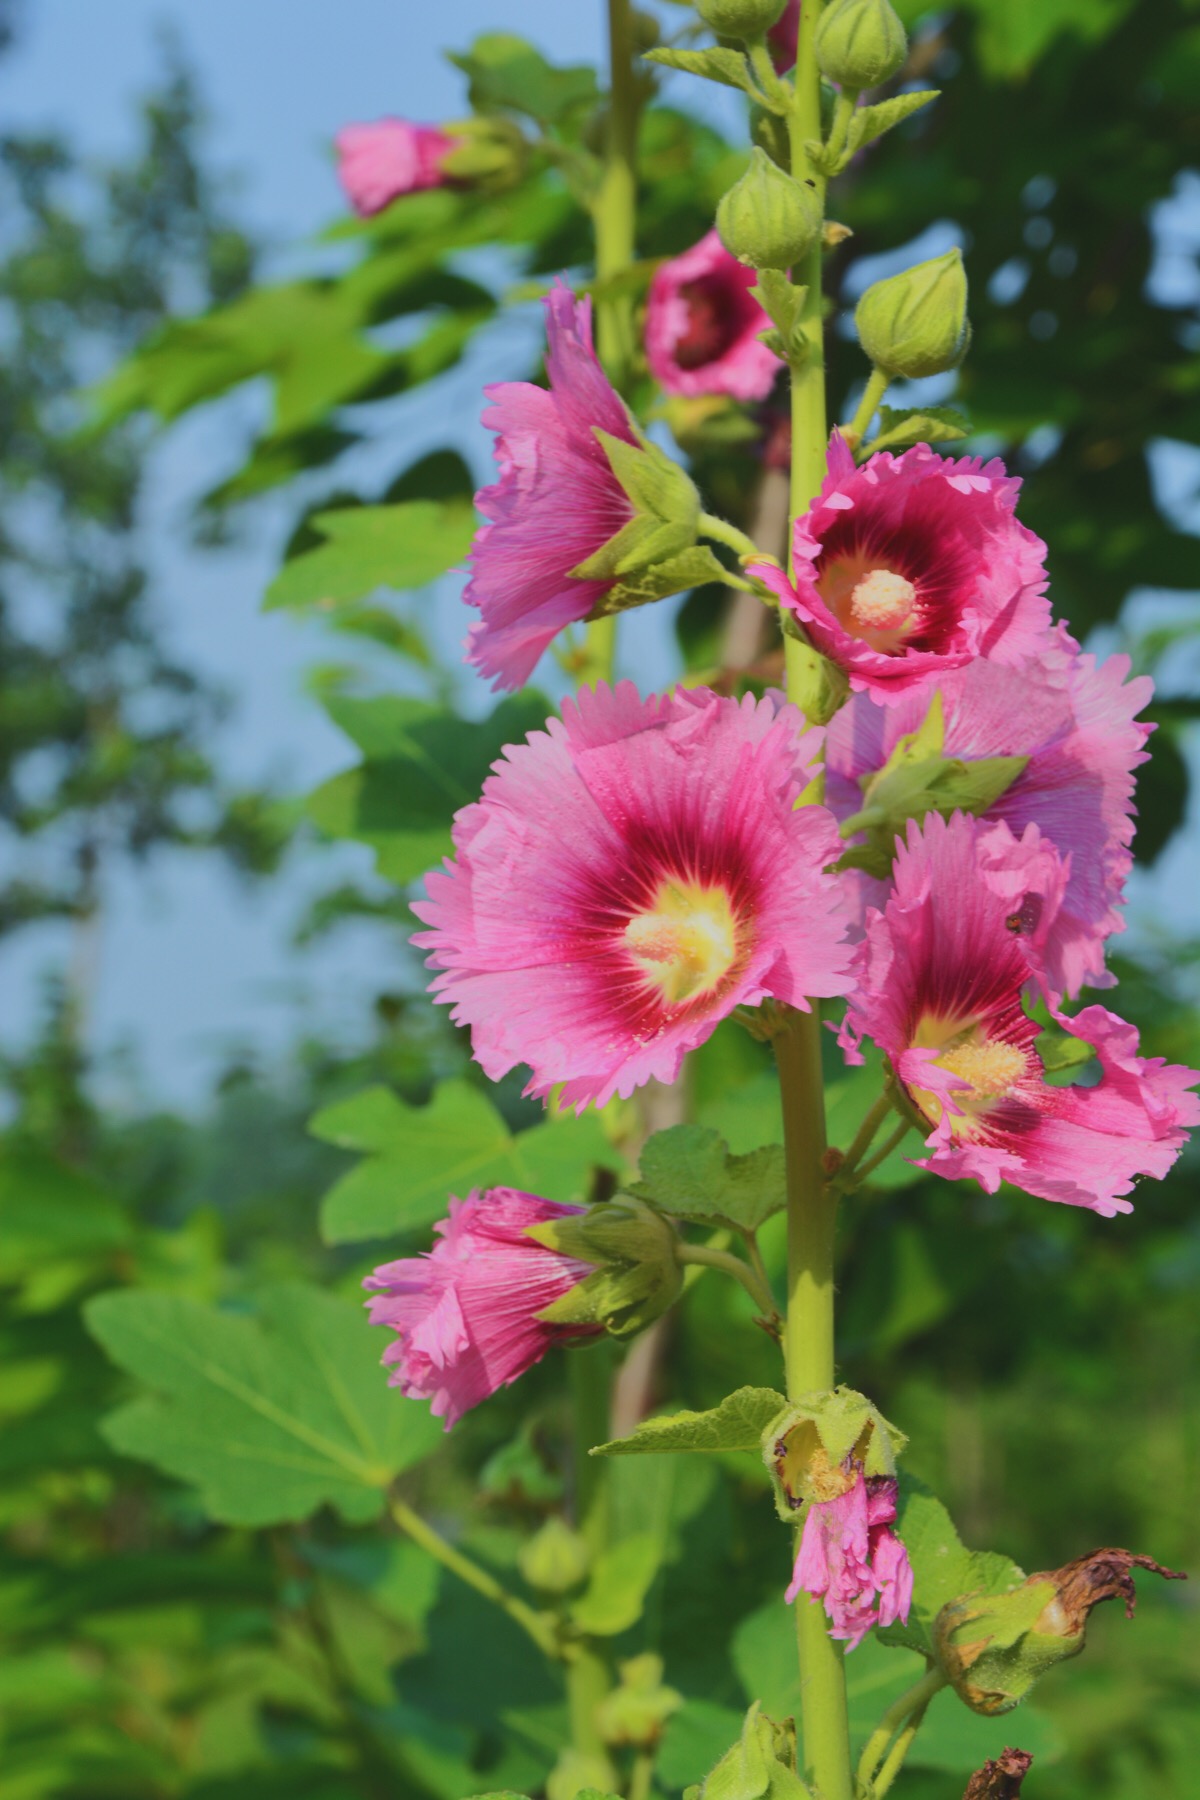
x,y
175,1620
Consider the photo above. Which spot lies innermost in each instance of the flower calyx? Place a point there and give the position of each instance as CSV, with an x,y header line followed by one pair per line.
x,y
915,324
767,219
821,1443
488,151
655,552
993,1648
917,779
633,1252
784,302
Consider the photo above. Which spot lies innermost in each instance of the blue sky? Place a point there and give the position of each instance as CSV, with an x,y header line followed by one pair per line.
x,y
193,963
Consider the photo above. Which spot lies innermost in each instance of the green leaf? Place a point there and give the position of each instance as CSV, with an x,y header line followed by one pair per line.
x,y
416,1156
369,547
901,426
943,1568
737,1424
870,122
688,1171
507,72
269,1417
729,67
674,575
422,765
620,1580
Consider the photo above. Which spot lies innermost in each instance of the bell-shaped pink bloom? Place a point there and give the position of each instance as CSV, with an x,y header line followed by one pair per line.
x,y
556,503
629,877
379,163
942,973
850,1558
1077,724
465,1313
702,325
914,564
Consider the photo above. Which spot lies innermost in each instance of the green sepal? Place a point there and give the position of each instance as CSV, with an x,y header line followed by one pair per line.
x,y
667,510
989,1648
692,568
784,302
760,1766
737,1424
901,426
489,151
834,1424
637,1276
1058,1051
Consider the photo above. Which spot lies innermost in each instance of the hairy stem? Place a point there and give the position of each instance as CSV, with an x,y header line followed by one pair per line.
x,y
868,406
534,1624
757,1288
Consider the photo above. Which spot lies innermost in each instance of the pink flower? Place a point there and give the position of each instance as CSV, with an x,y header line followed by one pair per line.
x,y
941,975
465,1314
378,163
781,38
556,503
850,1558
702,326
630,876
914,564
1076,723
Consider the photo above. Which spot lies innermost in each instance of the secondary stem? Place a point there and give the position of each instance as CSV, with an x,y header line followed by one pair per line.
x,y
539,1628
907,1713
703,1255
868,406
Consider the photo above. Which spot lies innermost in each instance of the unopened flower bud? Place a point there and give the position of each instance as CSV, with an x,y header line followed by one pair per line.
x,y
636,1711
487,151
556,1559
768,220
580,1773
992,1648
637,1273
740,18
860,43
915,324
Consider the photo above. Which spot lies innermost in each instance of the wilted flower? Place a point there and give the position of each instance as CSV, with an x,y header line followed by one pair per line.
x,y
850,1557
379,163
914,564
562,528
629,876
465,1313
941,975
1072,723
702,325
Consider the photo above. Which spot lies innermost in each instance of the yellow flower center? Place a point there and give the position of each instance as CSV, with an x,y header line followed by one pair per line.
x,y
872,601
988,1069
686,942
883,600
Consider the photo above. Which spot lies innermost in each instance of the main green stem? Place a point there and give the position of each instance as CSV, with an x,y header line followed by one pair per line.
x,y
812,1203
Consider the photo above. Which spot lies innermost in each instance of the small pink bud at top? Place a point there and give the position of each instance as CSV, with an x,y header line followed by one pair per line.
x,y
381,162
850,1558
781,38
465,1313
702,325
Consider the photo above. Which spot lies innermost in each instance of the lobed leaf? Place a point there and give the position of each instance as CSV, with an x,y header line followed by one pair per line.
x,y
689,1171
370,547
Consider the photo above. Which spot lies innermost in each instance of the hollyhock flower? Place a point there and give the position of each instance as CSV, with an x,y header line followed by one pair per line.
x,y
629,876
558,502
781,38
941,975
1076,724
702,326
465,1313
378,163
914,564
850,1558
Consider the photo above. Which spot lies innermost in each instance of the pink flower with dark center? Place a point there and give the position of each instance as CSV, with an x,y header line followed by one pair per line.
x,y
1076,722
465,1313
942,972
914,564
556,503
702,326
379,163
850,1558
781,38
629,877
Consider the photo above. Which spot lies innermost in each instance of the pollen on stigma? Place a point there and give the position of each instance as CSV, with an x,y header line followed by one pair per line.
x,y
686,941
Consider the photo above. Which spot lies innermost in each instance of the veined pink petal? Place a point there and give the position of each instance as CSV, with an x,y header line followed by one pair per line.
x,y
379,163
465,1313
702,325
628,877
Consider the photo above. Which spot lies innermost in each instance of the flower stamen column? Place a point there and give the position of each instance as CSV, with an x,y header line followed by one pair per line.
x,y
812,1205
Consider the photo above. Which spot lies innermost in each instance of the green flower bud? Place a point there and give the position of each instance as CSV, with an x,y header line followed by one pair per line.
x,y
636,1711
637,1276
806,1448
555,1559
860,43
768,220
489,151
578,1774
915,324
740,18
760,1766
992,1648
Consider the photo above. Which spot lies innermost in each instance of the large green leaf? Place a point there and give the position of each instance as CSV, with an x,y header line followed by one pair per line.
x,y
416,1156
270,1417
737,1424
688,1170
505,71
942,1565
369,547
422,765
